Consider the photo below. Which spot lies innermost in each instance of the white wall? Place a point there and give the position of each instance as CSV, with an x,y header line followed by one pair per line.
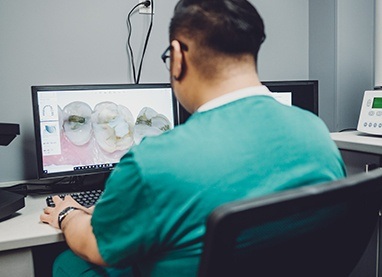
x,y
82,42
341,57
378,43
285,52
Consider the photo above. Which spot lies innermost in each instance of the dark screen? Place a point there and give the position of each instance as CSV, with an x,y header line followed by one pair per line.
x,y
304,95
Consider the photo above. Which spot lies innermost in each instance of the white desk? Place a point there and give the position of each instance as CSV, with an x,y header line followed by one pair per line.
x,y
24,229
359,151
22,232
357,141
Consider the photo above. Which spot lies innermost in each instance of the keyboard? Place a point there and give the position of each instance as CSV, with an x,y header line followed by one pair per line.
x,y
86,198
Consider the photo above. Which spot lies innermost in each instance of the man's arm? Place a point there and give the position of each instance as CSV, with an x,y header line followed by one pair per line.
x,y
76,227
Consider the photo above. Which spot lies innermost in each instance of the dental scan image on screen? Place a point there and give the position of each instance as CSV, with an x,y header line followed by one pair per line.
x,y
89,129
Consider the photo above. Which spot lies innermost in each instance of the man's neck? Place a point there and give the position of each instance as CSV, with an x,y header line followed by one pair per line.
x,y
211,90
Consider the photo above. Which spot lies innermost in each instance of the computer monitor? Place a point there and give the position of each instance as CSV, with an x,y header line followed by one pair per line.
x,y
86,129
304,94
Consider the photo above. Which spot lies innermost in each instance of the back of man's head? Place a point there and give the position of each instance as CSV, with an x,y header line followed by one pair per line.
x,y
227,27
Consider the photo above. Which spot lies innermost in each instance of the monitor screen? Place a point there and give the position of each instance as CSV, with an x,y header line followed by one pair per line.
x,y
303,94
86,129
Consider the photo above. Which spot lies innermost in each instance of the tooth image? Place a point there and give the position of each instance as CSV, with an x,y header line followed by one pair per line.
x,y
76,122
113,126
50,129
149,123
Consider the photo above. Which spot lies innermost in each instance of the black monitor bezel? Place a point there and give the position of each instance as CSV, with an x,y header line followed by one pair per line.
x,y
41,174
282,86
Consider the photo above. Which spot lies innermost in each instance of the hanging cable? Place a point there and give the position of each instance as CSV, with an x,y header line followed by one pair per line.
x,y
147,40
128,44
128,41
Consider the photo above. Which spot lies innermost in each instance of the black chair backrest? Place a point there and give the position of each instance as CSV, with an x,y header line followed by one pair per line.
x,y
317,230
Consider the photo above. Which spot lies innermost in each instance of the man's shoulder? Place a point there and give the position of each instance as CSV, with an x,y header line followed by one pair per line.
x,y
161,146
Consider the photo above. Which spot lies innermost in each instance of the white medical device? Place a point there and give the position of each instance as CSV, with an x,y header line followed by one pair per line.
x,y
370,118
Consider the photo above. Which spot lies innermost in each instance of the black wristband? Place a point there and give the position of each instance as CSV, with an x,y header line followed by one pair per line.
x,y
64,213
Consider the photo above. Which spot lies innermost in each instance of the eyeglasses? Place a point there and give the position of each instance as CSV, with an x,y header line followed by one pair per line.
x,y
167,54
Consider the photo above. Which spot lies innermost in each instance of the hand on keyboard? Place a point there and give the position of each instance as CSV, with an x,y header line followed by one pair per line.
x,y
85,198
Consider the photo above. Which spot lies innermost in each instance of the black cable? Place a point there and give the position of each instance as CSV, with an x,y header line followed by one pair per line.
x,y
128,22
348,129
128,40
147,39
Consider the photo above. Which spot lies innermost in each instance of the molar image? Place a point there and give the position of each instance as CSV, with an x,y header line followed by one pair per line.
x,y
113,126
150,123
76,122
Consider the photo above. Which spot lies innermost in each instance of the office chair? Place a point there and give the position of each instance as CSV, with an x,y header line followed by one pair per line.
x,y
318,230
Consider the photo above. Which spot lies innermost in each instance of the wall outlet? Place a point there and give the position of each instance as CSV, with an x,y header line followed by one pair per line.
x,y
143,9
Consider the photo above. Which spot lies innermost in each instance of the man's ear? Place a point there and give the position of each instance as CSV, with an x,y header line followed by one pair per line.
x,y
176,60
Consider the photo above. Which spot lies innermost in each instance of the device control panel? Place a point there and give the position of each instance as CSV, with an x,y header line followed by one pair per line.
x,y
370,118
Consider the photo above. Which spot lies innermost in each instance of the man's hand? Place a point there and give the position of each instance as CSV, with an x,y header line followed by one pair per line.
x,y
50,214
76,228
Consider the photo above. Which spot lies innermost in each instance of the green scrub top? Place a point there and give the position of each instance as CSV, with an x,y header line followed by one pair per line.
x,y
156,201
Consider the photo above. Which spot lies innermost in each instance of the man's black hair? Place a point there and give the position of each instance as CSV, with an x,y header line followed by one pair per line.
x,y
226,26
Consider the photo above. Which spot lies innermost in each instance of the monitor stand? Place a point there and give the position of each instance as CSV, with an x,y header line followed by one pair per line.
x,y
10,203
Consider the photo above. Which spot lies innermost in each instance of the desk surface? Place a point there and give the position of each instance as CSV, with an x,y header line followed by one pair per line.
x,y
357,141
24,229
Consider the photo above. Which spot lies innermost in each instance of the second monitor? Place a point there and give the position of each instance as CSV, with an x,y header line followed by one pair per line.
x,y
304,95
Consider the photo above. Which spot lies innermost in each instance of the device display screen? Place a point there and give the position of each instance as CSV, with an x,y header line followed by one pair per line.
x,y
87,129
377,103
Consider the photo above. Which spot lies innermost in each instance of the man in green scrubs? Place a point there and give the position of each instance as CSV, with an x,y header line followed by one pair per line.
x,y
239,143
